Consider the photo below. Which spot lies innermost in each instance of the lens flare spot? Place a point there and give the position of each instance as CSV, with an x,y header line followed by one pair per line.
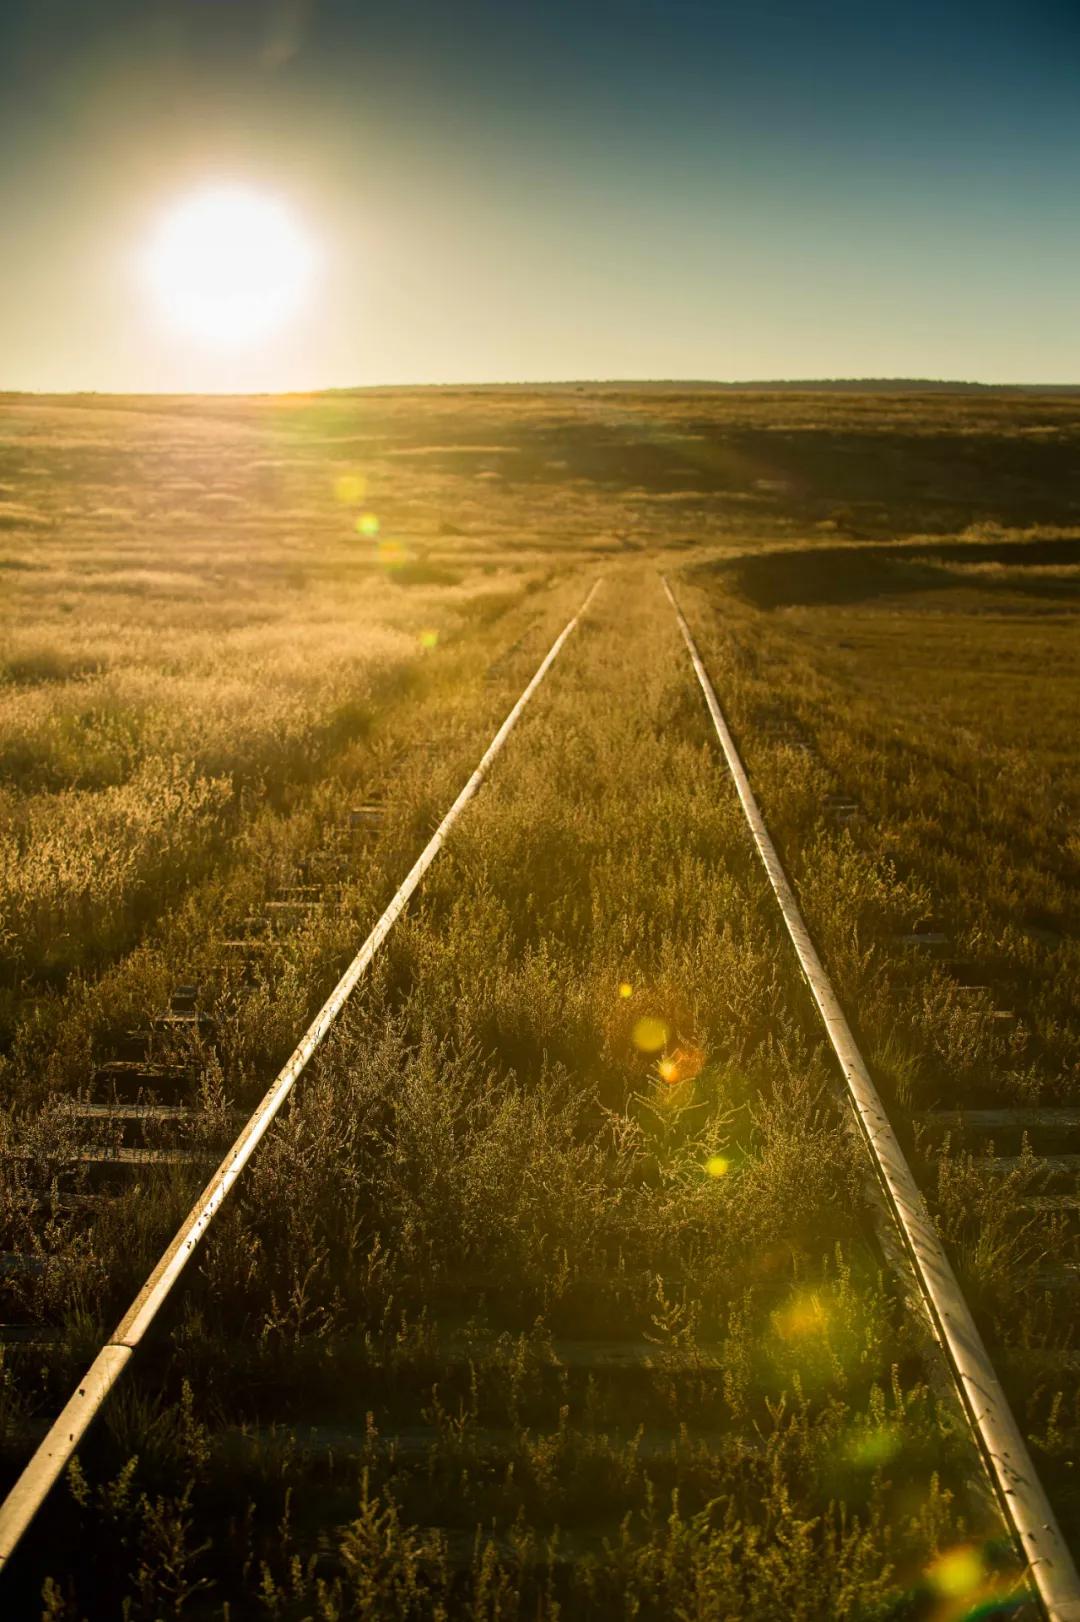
x,y
870,1448
625,989
803,1315
429,640
392,553
682,1065
957,1572
367,524
350,488
717,1166
649,1034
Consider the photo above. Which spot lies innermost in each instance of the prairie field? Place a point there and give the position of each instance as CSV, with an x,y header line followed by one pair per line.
x,y
559,1289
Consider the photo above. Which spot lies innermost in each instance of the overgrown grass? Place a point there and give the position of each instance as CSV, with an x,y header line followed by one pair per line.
x,y
572,1329
945,708
517,1311
187,638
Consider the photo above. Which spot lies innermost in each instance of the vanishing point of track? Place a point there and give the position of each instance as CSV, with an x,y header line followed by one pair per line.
x,y
1021,1497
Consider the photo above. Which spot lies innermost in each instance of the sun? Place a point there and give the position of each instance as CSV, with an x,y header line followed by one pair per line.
x,y
229,264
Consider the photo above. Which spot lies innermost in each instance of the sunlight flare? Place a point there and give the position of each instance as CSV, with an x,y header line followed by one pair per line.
x,y
957,1571
683,1064
650,1034
350,488
229,264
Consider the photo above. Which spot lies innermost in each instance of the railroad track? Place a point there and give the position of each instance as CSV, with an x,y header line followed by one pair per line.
x,y
143,1110
148,1064
145,1100
1010,1468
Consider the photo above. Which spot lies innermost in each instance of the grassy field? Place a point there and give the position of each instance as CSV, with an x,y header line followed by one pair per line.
x,y
931,692
557,1291
180,646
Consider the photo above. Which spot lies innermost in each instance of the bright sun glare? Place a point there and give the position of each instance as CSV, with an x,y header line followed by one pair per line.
x,y
229,263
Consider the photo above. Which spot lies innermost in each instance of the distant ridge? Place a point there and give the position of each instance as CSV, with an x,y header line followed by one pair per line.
x,y
894,385
696,385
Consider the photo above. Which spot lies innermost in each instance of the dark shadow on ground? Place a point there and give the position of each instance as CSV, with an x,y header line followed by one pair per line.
x,y
869,484
850,574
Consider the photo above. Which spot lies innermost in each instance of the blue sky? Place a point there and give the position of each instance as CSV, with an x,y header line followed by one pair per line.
x,y
505,192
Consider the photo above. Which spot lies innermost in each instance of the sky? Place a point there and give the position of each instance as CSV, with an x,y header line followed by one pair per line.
x,y
512,192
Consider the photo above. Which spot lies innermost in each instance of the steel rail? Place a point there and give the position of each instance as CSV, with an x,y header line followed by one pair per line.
x,y
55,1451
1012,1473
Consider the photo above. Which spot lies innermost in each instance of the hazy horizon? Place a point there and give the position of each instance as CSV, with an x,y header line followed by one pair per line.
x,y
869,385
